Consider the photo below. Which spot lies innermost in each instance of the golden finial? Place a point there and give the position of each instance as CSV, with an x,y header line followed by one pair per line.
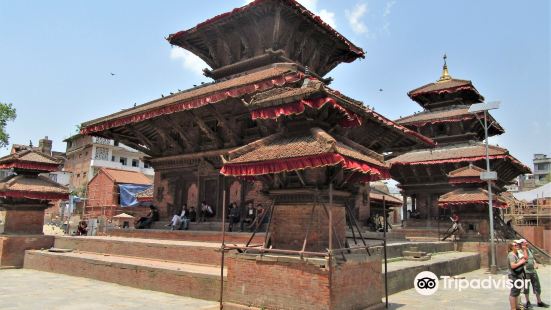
x,y
445,75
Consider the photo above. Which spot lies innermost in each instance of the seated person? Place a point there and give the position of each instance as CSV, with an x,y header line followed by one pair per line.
x,y
184,218
175,222
192,215
82,229
206,211
146,221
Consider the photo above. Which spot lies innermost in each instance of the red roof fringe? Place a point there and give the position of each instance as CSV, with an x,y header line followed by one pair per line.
x,y
30,166
456,160
34,195
438,121
297,5
298,163
298,107
442,91
196,102
497,204
461,180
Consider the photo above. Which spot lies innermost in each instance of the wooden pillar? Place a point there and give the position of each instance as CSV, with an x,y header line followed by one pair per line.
x,y
404,207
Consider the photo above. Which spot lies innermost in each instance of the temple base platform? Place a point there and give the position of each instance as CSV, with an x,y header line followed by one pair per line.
x,y
13,247
289,282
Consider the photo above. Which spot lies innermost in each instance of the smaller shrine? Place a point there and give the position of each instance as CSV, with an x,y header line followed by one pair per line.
x,y
471,201
24,196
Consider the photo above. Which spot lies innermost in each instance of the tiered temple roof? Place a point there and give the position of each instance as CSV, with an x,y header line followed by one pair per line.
x,y
469,196
27,184
265,32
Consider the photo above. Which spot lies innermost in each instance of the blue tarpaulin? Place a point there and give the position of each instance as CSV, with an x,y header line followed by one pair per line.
x,y
128,194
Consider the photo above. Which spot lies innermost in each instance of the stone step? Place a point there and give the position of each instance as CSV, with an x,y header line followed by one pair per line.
x,y
169,250
187,235
401,274
193,280
395,250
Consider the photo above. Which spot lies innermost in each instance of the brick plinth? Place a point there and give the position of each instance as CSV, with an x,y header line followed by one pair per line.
x,y
290,223
485,253
271,282
27,221
13,247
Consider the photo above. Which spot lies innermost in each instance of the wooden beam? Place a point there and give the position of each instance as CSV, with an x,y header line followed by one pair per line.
x,y
235,139
206,130
143,139
180,131
133,145
163,132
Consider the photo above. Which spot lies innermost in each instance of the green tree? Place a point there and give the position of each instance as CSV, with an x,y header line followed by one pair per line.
x,y
7,113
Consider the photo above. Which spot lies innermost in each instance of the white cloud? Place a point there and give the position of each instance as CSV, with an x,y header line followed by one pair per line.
x,y
388,8
328,17
189,60
312,5
355,18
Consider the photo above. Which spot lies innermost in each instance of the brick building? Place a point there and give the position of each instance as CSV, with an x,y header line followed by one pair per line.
x,y
86,155
103,192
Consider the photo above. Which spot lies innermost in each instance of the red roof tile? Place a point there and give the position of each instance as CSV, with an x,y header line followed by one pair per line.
x,y
32,187
126,177
475,196
468,171
448,152
196,97
450,85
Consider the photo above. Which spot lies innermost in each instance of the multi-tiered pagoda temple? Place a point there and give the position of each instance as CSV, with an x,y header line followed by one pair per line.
x,y
270,129
24,196
426,174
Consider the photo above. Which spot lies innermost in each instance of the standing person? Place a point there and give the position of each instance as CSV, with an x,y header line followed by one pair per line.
x,y
248,217
516,272
532,275
233,216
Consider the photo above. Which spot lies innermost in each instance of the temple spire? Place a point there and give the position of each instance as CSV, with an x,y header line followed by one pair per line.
x,y
445,75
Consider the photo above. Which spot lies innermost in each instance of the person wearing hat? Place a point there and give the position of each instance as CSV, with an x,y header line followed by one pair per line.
x,y
516,272
531,274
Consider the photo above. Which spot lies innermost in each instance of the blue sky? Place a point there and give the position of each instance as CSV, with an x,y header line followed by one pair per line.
x,y
56,58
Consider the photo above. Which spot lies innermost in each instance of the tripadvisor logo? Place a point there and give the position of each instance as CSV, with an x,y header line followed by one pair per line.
x,y
426,283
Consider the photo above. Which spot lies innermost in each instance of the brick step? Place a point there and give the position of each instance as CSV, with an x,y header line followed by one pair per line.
x,y
193,280
187,235
401,274
200,226
170,250
395,250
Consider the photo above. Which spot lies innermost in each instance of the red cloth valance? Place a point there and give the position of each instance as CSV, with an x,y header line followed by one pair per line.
x,y
443,91
195,102
298,163
451,160
351,119
30,166
144,199
497,204
34,195
461,180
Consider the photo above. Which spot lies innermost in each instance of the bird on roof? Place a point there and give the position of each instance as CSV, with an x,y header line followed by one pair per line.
x,y
112,73
162,96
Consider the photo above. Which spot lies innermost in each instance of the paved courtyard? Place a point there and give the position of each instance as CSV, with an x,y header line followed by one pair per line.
x,y
31,289
468,298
